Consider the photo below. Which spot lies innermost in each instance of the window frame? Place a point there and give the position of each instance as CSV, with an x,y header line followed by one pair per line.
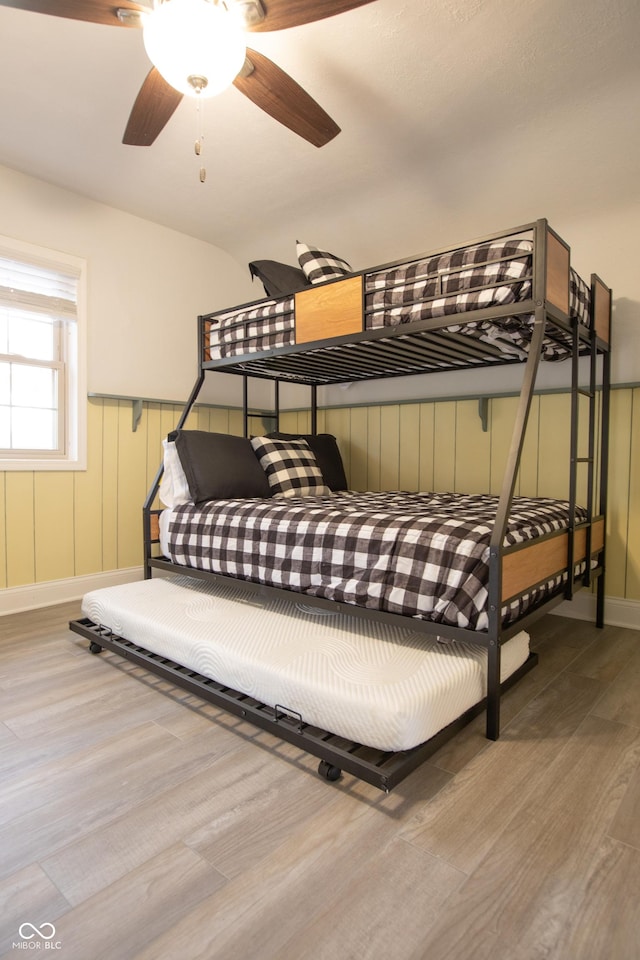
x,y
71,364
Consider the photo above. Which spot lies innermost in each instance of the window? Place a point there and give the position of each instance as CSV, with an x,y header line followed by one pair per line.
x,y
42,365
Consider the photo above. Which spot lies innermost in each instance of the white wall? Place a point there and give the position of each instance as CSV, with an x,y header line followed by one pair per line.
x,y
146,286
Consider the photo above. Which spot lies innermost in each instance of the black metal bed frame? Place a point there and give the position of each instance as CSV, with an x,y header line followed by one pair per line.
x,y
397,351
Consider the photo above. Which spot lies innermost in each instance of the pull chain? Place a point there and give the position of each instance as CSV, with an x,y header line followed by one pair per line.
x,y
199,144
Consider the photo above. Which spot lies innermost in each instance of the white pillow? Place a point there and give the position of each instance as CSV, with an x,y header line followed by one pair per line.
x,y
174,488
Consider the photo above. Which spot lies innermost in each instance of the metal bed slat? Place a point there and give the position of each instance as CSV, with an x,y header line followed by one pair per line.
x,y
426,350
416,347
421,349
473,347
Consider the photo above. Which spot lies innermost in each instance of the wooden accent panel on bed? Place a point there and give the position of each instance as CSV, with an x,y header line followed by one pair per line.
x,y
154,521
601,295
557,291
329,310
206,352
543,560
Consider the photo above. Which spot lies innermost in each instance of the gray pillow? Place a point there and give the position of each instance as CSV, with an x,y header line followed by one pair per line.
x,y
219,466
279,279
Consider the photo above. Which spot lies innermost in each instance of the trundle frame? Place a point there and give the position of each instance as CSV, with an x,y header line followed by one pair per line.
x,y
383,769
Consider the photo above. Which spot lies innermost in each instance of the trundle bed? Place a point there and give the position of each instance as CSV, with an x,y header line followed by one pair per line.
x,y
369,628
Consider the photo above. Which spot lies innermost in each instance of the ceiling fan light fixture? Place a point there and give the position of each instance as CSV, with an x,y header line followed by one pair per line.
x,y
194,38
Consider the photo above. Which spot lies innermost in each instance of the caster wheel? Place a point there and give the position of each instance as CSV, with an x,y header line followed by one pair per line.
x,y
328,772
95,647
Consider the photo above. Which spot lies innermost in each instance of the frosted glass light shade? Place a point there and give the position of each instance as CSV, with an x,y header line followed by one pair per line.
x,y
194,38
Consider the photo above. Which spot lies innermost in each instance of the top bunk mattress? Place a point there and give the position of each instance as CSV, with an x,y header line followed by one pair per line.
x,y
461,281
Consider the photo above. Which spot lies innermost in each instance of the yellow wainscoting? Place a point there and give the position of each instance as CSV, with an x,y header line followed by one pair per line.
x,y
3,530
54,528
632,585
19,513
374,448
472,450
88,498
618,543
60,525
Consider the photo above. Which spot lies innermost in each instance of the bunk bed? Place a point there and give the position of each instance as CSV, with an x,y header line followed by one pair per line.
x,y
502,562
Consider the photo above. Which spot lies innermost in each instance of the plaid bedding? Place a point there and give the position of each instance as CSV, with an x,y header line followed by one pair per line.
x,y
491,274
416,554
406,292
262,327
458,282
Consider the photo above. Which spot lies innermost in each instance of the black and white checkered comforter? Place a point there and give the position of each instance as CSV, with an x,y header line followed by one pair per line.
x,y
450,284
458,282
416,554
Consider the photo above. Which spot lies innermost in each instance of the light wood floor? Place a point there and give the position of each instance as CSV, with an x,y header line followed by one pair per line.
x,y
140,828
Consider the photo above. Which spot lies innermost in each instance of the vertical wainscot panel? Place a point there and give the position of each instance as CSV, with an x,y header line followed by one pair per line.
x,y
444,464
132,475
390,447
632,586
3,533
338,422
110,485
409,466
618,506
427,447
472,451
357,474
20,528
54,526
553,454
87,502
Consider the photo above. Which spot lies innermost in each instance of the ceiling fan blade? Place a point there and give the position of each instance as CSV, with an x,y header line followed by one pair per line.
x,y
118,13
280,14
92,11
154,107
278,94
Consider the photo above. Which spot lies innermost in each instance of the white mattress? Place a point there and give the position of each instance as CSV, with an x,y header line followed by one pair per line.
x,y
382,686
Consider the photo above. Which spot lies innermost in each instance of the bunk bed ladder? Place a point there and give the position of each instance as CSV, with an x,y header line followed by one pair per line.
x,y
576,461
601,328
604,479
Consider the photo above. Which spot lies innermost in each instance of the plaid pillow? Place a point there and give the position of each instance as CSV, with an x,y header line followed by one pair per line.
x,y
291,468
319,265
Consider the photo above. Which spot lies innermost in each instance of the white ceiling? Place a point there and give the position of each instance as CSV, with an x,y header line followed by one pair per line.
x,y
498,104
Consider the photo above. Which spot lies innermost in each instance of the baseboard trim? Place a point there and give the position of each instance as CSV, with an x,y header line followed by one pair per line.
x,y
51,592
617,611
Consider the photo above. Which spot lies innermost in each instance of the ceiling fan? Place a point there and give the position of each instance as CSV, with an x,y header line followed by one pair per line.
x,y
253,74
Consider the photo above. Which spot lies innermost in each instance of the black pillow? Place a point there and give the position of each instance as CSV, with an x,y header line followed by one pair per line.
x,y
219,466
279,279
325,447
